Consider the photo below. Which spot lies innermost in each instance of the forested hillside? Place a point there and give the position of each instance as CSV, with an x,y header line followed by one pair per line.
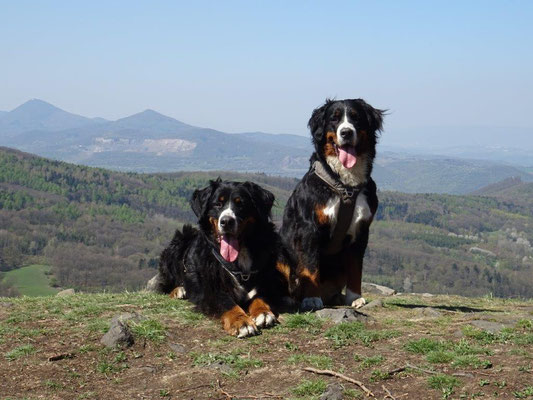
x,y
102,229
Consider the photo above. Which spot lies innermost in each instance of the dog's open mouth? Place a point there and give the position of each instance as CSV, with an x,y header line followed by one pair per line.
x,y
346,155
229,247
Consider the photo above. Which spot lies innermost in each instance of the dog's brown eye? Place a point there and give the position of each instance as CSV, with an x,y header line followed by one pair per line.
x,y
237,200
221,199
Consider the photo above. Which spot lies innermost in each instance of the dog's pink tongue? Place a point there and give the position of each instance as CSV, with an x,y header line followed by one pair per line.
x,y
229,248
347,156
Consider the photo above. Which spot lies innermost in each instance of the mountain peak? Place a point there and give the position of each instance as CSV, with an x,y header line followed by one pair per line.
x,y
36,105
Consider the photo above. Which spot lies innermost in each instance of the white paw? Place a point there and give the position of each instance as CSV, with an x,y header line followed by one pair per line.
x,y
311,304
265,320
358,303
247,330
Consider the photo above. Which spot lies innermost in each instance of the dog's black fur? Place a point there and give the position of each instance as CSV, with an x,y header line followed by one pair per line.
x,y
193,260
306,225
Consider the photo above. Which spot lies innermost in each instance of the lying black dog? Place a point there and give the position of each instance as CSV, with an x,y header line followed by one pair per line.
x,y
234,266
327,217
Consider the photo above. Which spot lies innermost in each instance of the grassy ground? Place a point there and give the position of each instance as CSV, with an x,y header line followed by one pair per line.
x,y
415,348
31,280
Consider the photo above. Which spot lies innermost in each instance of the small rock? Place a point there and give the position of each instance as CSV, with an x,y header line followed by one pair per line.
x,y
126,317
377,289
488,326
334,391
6,304
178,348
428,312
66,292
119,335
424,294
373,304
154,284
221,366
338,315
147,369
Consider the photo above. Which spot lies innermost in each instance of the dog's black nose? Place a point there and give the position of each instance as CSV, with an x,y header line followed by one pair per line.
x,y
227,222
346,133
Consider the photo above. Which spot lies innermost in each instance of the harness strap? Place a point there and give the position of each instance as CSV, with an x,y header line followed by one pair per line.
x,y
347,195
228,267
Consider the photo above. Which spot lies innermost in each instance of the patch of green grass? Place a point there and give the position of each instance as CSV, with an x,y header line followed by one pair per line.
x,y
106,367
309,388
236,360
347,332
307,321
471,361
444,383
291,346
463,347
350,393
524,394
19,352
379,375
440,356
31,280
50,384
314,360
368,362
424,346
149,329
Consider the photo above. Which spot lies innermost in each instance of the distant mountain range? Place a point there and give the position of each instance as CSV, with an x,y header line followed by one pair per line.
x,y
152,142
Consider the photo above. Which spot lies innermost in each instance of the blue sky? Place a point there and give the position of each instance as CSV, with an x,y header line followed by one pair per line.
x,y
264,65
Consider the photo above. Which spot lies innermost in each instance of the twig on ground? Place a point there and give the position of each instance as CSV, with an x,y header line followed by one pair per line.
x,y
338,375
389,394
228,396
61,356
427,371
397,370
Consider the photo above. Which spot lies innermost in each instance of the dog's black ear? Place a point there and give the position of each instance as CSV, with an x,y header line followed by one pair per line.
x,y
200,197
317,122
374,116
262,199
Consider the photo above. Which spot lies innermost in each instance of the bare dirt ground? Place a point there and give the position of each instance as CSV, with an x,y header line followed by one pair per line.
x,y
414,347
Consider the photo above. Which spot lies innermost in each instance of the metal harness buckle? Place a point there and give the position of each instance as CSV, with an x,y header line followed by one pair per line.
x,y
348,193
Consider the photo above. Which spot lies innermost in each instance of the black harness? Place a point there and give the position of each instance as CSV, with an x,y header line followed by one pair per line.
x,y
347,195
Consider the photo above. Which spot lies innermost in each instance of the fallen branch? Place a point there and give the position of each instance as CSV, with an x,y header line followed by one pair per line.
x,y
389,394
60,356
338,375
397,370
427,371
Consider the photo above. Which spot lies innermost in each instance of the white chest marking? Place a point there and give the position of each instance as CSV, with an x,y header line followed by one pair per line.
x,y
361,213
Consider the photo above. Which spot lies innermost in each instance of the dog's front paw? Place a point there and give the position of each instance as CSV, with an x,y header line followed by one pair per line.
x,y
358,303
265,320
178,293
311,304
237,323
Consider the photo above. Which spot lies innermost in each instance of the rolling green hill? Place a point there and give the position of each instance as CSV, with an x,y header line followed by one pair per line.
x,y
103,229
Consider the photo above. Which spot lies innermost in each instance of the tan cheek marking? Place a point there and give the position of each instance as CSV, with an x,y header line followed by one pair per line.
x,y
214,223
329,147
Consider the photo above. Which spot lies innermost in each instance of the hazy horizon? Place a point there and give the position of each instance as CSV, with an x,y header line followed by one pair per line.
x,y
244,67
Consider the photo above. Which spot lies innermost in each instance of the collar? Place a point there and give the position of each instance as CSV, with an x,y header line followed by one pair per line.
x,y
345,192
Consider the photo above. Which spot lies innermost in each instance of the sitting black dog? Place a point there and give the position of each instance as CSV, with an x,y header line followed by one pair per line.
x,y
234,266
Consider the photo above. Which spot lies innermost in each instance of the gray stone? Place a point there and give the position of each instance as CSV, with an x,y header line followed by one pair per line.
x,y
119,335
334,391
154,284
488,326
178,348
377,289
373,304
66,292
127,317
6,304
424,294
338,315
427,312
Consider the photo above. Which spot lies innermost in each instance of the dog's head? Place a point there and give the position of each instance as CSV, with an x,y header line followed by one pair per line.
x,y
229,211
345,129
